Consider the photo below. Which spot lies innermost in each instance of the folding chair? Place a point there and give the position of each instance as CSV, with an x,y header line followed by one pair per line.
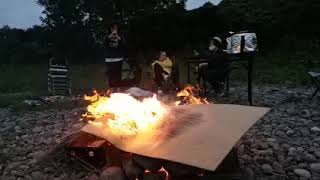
x,y
315,76
59,79
226,82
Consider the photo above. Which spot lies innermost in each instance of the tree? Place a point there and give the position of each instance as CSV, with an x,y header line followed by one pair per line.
x,y
81,25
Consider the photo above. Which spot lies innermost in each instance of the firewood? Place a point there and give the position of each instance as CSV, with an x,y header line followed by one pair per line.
x,y
178,170
112,173
148,163
154,176
131,169
114,155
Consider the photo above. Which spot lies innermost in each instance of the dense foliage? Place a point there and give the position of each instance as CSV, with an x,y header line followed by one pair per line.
x,y
76,28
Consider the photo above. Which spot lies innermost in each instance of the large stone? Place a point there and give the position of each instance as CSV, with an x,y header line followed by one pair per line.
x,y
37,154
249,174
268,152
151,164
276,166
92,177
271,140
131,169
302,173
289,132
305,132
1,141
315,130
37,129
310,158
317,154
37,175
112,173
291,151
315,167
267,169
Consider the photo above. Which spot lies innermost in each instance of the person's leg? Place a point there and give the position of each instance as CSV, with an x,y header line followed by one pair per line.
x,y
114,73
212,76
158,74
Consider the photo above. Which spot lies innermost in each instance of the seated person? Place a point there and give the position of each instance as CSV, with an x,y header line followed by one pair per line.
x,y
215,71
162,69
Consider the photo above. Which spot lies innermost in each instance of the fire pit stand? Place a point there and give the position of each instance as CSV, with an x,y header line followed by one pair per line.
x,y
99,155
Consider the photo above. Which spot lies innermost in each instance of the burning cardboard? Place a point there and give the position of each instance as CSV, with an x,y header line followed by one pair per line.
x,y
195,135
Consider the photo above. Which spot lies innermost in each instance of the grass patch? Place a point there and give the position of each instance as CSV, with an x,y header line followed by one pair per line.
x,y
13,99
18,83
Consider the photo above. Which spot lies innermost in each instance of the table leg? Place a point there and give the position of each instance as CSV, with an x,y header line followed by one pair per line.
x,y
227,84
315,93
250,67
188,72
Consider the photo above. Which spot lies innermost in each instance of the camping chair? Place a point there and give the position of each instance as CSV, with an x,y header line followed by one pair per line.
x,y
225,83
315,77
59,79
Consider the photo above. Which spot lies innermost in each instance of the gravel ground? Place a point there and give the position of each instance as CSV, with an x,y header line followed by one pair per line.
x,y
285,144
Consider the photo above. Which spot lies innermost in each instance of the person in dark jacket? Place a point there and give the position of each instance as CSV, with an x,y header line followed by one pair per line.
x,y
114,56
217,68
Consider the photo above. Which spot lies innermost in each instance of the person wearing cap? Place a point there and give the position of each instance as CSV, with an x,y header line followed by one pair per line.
x,y
216,69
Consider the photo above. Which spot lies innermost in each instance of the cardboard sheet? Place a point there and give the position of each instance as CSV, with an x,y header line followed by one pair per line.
x,y
196,135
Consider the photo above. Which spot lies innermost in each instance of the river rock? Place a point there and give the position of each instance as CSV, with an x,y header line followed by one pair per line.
x,y
291,151
37,129
315,130
267,169
37,175
112,173
302,173
310,158
315,167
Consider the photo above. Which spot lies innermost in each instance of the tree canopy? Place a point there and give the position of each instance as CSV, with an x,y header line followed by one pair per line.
x,y
76,28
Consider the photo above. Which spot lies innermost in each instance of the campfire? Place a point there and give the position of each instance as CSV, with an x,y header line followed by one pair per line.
x,y
126,115
129,137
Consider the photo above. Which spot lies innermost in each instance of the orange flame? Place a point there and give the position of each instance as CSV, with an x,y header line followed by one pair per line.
x,y
125,114
189,96
165,171
160,170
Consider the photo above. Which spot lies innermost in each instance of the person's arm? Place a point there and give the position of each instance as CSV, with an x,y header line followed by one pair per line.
x,y
168,63
114,35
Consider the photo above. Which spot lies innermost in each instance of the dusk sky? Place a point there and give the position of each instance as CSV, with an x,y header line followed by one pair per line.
x,y
26,13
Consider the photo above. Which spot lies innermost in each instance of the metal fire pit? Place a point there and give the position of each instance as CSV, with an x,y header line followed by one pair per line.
x,y
89,149
96,153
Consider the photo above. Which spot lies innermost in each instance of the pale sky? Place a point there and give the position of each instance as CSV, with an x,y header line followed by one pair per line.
x,y
191,4
26,13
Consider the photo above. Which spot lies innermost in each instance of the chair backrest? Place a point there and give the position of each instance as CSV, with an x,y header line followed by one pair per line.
x,y
59,77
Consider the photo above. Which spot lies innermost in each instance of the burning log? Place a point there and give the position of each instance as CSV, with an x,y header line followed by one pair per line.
x,y
113,173
151,164
131,169
155,176
115,156
181,170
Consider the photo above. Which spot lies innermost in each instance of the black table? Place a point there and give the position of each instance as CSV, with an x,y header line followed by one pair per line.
x,y
233,58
